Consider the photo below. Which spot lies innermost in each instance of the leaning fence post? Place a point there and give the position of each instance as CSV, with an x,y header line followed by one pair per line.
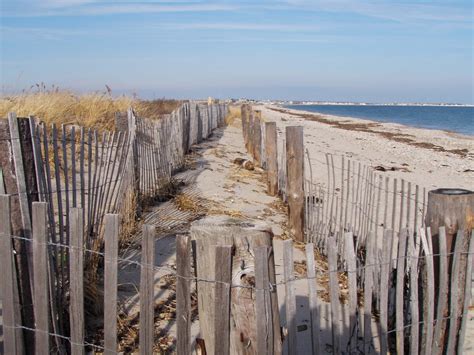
x,y
271,151
25,177
295,179
183,294
454,209
40,264
76,280
111,233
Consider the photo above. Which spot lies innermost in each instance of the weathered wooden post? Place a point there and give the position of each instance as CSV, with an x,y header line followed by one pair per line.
x,y
244,237
250,131
245,121
41,285
12,338
76,282
257,138
452,209
111,234
19,178
271,151
294,181
183,294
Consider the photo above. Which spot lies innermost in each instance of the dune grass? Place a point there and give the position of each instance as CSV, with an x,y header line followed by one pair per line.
x,y
95,110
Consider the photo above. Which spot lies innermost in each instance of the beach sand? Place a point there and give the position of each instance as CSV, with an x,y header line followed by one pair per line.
x,y
429,158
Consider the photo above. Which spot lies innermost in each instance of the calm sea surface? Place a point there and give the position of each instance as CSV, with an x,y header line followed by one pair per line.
x,y
456,119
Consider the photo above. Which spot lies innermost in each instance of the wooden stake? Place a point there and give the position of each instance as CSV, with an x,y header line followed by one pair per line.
x,y
110,282
271,150
11,343
40,264
147,301
183,294
76,267
290,300
295,178
221,299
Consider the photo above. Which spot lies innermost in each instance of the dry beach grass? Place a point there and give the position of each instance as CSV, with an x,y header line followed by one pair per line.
x,y
95,110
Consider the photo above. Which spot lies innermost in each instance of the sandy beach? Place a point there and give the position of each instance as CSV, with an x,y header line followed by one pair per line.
x,y
429,158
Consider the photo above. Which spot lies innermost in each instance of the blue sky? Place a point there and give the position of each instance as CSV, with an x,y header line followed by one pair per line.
x,y
377,51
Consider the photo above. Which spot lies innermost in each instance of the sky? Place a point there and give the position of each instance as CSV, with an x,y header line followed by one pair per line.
x,y
334,50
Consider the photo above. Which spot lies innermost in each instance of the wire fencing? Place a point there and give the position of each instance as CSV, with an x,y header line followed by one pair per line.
x,y
100,173
364,313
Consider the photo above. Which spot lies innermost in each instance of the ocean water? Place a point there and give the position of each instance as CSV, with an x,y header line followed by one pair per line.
x,y
451,118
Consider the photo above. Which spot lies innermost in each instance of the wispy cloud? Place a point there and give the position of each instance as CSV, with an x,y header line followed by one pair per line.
x,y
95,8
394,11
407,11
241,26
42,32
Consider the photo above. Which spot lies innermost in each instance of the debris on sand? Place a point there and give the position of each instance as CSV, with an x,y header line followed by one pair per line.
x,y
244,163
392,168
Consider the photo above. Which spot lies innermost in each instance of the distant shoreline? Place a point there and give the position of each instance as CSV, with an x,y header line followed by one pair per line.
x,y
334,120
434,158
328,103
375,104
440,118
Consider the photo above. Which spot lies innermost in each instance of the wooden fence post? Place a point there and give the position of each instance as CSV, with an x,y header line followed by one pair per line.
x,y
147,302
334,295
265,333
313,299
454,209
11,342
271,150
41,284
244,119
350,258
290,300
221,299
76,285
245,237
183,294
111,233
250,123
257,138
27,189
294,181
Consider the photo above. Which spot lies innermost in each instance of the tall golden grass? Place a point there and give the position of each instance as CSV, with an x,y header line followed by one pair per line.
x,y
95,110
